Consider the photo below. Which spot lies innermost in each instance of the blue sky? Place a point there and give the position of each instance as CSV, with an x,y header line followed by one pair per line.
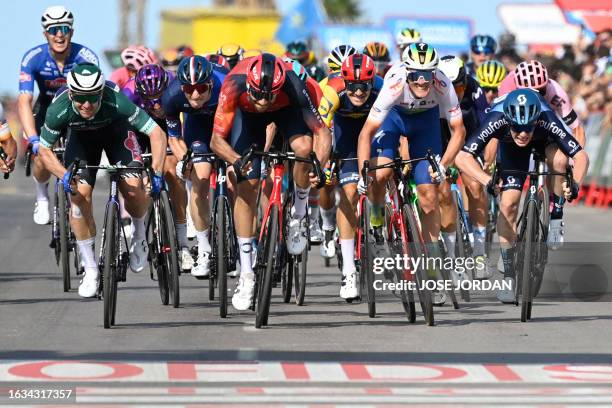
x,y
97,26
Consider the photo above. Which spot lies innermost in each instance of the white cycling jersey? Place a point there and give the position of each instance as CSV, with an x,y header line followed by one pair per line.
x,y
396,92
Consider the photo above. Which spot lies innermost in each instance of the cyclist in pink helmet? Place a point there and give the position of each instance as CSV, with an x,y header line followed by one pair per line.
x,y
133,58
533,74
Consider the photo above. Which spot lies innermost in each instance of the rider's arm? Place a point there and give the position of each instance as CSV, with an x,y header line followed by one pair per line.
x,y
456,141
364,142
8,143
26,92
158,148
26,115
467,163
49,134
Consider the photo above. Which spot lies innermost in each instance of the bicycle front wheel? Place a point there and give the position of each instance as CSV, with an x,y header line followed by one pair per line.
x,y
111,263
221,257
266,268
366,275
299,275
64,236
527,269
170,249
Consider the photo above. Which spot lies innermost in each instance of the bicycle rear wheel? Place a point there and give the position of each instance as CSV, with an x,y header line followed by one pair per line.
x,y
111,263
157,261
491,225
399,245
462,243
266,268
64,236
417,250
299,275
542,233
220,253
170,249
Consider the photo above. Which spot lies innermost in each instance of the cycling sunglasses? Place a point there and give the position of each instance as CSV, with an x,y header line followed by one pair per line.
x,y
485,51
415,76
150,103
356,86
258,95
487,89
201,88
56,29
82,98
522,128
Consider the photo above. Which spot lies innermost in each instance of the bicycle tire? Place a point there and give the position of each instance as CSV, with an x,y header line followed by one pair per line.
x,y
64,237
400,240
156,258
265,270
111,263
171,249
286,278
461,252
221,247
366,275
542,254
299,275
414,237
491,226
528,243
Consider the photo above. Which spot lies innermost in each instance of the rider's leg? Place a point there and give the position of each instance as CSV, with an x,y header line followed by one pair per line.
x,y
178,196
448,217
477,201
302,146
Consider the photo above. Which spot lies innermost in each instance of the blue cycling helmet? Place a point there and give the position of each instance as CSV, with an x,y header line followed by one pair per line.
x,y
522,107
296,67
483,44
194,70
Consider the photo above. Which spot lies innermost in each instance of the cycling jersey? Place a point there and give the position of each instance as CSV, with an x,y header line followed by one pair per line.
x,y
324,81
121,76
396,92
553,94
233,97
39,66
314,71
114,106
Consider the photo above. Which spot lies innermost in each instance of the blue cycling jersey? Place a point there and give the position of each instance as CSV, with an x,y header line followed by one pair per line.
x,y
174,102
39,66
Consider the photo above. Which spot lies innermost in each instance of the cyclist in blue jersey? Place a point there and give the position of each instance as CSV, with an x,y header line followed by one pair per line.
x,y
482,48
195,92
47,65
522,120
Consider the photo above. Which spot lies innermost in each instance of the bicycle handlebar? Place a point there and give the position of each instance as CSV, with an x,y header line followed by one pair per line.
x,y
110,168
398,162
568,174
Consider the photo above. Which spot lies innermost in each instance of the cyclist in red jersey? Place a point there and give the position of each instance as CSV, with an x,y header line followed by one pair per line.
x,y
258,91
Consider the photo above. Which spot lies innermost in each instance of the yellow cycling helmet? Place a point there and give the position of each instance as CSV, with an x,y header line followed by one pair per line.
x,y
232,53
490,74
408,36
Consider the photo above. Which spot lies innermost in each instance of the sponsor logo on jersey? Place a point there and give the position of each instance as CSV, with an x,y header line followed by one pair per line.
x,y
491,128
553,128
30,55
55,83
557,101
24,77
88,55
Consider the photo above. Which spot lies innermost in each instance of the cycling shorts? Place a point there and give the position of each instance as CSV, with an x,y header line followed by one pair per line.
x,y
513,157
346,135
198,128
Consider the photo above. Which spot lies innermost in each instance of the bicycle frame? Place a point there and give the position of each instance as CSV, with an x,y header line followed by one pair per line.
x,y
278,170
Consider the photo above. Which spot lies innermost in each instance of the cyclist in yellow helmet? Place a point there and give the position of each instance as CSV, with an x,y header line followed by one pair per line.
x,y
406,37
232,53
490,74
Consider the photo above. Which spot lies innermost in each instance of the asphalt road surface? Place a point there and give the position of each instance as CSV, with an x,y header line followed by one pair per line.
x,y
325,353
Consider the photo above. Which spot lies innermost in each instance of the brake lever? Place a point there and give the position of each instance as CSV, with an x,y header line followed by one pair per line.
x,y
435,166
316,164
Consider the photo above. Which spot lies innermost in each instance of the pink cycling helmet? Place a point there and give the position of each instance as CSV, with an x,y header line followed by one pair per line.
x,y
530,74
136,57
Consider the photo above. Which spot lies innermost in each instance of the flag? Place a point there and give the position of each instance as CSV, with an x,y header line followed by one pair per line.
x,y
300,21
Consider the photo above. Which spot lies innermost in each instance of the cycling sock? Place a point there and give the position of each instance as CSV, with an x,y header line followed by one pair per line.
x,y
181,234
203,243
42,193
300,198
507,255
557,212
377,216
329,218
138,227
246,248
480,235
314,211
347,246
86,249
449,239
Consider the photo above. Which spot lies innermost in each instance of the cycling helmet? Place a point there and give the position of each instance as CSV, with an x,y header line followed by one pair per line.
x,y
337,56
420,56
173,56
85,79
358,68
408,36
251,53
266,73
151,80
522,107
377,51
296,67
218,59
490,74
232,53
483,44
454,68
298,50
530,74
56,15
194,70
135,57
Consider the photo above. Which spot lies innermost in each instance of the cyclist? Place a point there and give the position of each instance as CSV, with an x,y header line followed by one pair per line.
x,y
195,92
8,144
482,48
522,120
151,82
218,60
406,37
258,91
133,58
414,96
232,53
100,117
299,51
473,106
380,54
347,100
533,74
334,62
47,65
490,75
171,58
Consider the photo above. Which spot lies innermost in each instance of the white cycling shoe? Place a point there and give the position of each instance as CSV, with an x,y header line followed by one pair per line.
x,y
316,234
139,249
243,294
41,212
555,234
201,268
348,288
186,259
89,284
296,239
328,246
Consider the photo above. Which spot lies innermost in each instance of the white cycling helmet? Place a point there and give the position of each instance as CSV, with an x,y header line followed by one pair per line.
x,y
57,15
420,56
85,78
453,68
